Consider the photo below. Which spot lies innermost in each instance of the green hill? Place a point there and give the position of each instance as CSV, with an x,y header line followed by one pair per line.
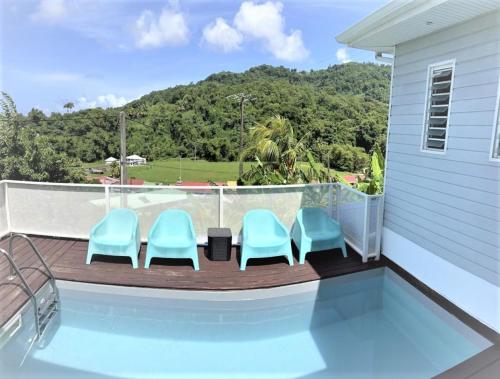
x,y
343,104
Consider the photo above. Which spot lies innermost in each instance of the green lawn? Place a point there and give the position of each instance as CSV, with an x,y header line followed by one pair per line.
x,y
168,171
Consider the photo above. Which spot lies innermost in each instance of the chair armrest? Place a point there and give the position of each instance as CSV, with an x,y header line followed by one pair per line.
x,y
282,228
191,230
96,227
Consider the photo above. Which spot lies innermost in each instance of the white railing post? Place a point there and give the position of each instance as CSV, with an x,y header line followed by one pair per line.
x,y
337,201
7,208
221,207
330,200
107,199
366,228
380,217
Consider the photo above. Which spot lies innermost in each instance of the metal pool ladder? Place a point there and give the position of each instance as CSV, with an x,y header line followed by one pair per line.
x,y
48,306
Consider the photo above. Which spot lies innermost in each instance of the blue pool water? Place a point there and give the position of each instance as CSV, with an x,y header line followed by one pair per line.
x,y
366,325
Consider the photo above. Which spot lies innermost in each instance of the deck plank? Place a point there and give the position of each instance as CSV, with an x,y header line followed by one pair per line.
x,y
66,257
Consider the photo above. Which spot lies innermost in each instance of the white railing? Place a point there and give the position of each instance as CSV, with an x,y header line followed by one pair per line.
x,y
70,210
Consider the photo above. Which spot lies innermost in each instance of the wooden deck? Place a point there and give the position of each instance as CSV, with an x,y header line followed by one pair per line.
x,y
66,258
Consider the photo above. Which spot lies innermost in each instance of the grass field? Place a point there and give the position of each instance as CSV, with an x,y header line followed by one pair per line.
x,y
168,171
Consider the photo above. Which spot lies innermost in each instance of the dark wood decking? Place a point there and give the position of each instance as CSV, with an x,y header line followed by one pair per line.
x,y
66,258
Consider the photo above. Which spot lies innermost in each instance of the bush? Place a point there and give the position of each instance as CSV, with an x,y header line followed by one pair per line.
x,y
348,158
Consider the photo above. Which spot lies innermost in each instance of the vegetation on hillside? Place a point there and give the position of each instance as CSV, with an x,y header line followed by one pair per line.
x,y
339,114
27,155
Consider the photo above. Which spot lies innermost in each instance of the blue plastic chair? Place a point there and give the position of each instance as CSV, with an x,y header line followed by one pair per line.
x,y
313,230
172,236
264,236
117,234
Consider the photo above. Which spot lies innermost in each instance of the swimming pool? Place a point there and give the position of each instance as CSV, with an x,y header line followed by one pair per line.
x,y
371,324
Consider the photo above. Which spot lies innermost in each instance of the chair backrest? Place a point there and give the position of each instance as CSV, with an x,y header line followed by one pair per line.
x,y
261,221
121,220
313,218
175,222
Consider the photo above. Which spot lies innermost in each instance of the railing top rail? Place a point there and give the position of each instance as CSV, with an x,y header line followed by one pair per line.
x,y
180,188
128,186
359,192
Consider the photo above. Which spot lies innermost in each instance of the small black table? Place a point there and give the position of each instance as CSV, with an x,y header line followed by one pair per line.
x,y
219,244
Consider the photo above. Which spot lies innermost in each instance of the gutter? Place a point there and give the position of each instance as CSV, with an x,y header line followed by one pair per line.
x,y
388,59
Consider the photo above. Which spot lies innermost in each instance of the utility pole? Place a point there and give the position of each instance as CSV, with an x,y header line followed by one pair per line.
x,y
123,149
242,98
180,170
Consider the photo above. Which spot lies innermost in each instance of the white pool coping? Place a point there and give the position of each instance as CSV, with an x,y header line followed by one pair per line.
x,y
225,295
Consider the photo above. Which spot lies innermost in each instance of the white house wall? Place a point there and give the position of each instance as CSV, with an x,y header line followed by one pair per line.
x,y
448,204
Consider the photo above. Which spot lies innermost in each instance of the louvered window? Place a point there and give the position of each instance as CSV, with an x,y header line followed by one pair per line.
x,y
437,110
495,143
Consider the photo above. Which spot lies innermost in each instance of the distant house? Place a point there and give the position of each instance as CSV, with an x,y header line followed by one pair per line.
x,y
108,181
110,160
351,179
442,177
199,184
114,181
136,182
135,160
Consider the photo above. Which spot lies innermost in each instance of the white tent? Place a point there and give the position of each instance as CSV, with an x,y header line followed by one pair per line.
x,y
110,160
135,160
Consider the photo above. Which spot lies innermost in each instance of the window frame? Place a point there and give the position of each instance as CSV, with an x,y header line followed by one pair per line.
x,y
495,132
448,63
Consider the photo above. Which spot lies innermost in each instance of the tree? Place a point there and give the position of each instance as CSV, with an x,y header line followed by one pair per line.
x,y
340,105
114,170
25,155
276,146
69,106
374,183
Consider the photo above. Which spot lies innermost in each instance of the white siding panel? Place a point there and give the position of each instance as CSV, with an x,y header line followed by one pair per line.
x,y
476,91
475,232
456,118
466,67
470,144
462,106
477,157
458,131
446,171
461,242
420,178
448,203
482,49
456,45
473,219
489,213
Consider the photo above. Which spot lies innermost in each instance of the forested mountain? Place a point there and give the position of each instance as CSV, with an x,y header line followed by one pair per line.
x,y
343,105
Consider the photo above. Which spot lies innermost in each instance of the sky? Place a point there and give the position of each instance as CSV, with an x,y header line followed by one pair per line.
x,y
104,53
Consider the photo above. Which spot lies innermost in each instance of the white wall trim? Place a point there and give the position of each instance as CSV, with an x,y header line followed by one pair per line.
x,y
495,132
448,63
476,296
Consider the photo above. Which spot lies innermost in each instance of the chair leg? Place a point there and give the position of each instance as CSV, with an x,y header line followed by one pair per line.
x,y
147,262
342,246
290,258
243,264
196,264
302,257
135,261
89,258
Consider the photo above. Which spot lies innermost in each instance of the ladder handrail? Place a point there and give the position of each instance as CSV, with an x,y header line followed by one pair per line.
x,y
26,285
40,257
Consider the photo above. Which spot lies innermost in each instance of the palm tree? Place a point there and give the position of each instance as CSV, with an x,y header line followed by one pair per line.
x,y
69,106
276,149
